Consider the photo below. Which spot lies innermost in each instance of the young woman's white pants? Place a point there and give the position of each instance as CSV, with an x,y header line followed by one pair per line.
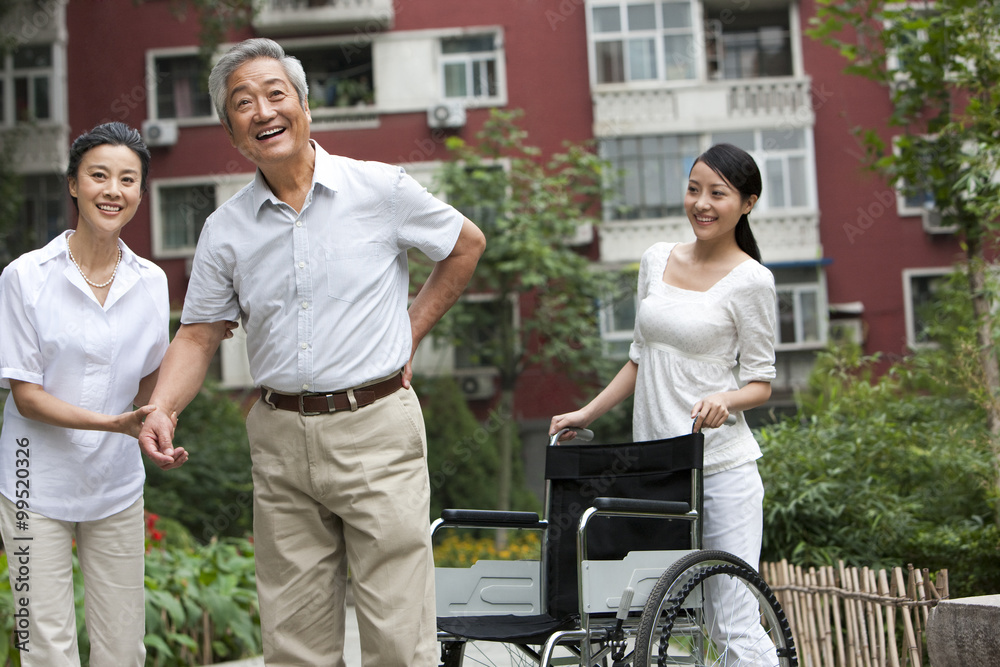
x,y
734,522
40,561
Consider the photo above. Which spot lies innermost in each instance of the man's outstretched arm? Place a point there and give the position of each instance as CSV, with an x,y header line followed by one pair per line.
x,y
180,378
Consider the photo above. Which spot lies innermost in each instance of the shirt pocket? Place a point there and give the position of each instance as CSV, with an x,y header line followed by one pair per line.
x,y
351,273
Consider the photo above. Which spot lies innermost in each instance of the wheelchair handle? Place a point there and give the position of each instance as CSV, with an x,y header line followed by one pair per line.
x,y
584,434
730,420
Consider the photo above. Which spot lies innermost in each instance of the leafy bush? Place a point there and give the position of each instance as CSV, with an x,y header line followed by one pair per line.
x,y
211,494
201,604
201,601
884,472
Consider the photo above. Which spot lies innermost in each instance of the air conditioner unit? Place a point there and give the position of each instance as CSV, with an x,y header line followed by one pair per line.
x,y
446,114
931,219
159,132
476,383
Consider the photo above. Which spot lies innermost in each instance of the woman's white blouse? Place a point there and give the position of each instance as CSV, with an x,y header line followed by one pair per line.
x,y
687,343
54,332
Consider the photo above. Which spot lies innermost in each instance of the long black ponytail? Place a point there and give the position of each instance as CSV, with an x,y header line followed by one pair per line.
x,y
739,169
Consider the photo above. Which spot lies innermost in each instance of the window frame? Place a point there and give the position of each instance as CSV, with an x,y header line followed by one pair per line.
x,y
225,186
470,59
9,74
909,307
153,86
658,34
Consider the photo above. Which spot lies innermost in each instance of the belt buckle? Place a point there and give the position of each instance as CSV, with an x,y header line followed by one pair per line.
x,y
329,403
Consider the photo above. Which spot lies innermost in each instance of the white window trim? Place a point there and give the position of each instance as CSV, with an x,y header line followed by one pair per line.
x,y
152,88
57,88
911,327
698,42
499,53
226,185
819,287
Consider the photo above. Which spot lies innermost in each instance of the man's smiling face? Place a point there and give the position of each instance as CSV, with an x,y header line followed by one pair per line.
x,y
269,124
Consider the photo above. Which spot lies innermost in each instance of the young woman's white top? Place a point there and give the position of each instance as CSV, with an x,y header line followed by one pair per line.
x,y
687,343
54,332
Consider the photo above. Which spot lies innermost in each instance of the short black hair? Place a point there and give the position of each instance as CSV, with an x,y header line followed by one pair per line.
x,y
113,134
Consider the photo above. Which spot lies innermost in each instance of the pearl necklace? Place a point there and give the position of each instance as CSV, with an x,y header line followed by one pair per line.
x,y
89,281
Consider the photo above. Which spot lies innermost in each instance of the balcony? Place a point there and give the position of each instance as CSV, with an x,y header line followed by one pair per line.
x,y
291,17
791,236
627,109
39,149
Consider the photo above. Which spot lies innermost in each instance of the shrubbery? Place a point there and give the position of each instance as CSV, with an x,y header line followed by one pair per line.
x,y
884,472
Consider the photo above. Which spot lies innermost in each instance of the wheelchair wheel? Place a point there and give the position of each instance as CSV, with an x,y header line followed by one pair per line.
x,y
711,608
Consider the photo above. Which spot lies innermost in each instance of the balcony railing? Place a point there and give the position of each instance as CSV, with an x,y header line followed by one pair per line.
x,y
782,237
714,106
288,17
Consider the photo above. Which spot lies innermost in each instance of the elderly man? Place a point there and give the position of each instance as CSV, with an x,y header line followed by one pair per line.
x,y
311,256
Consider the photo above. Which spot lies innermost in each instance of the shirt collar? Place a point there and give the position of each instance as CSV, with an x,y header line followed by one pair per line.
x,y
324,174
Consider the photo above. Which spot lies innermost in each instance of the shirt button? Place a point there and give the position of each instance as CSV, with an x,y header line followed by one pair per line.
x,y
298,223
302,265
305,387
305,304
305,346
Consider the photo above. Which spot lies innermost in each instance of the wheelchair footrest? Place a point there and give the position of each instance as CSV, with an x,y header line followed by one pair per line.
x,y
519,629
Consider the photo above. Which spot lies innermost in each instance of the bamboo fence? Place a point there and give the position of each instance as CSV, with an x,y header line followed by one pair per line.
x,y
857,617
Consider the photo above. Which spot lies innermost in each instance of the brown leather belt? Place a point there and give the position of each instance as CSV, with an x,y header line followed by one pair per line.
x,y
320,404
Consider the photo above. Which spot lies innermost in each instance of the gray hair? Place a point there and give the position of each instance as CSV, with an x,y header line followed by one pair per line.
x,y
244,52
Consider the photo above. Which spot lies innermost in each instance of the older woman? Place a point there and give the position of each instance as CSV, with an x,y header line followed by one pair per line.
x,y
83,327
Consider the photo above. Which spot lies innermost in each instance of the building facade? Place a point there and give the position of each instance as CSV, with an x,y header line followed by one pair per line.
x,y
653,82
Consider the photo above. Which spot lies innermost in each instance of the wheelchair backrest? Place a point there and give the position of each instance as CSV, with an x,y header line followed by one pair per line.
x,y
668,469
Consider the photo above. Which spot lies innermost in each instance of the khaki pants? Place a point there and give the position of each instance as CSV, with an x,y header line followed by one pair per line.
x,y
338,491
40,560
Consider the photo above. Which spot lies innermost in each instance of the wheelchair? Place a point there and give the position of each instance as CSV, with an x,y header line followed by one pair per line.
x,y
620,579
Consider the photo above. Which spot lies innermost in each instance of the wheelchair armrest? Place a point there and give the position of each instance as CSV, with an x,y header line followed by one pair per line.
x,y
632,505
490,519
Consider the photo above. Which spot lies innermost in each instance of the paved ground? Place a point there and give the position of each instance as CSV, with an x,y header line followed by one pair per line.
x,y
488,653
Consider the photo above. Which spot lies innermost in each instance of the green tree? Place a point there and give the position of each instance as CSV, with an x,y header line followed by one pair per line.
x,y
940,64
530,208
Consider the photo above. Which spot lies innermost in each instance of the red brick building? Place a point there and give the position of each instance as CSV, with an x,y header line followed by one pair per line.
x,y
654,82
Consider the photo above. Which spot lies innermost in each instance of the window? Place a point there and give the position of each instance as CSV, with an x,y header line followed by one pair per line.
x,y
44,208
617,316
469,66
784,157
748,44
40,218
653,170
181,206
920,290
801,307
181,87
26,80
339,74
644,41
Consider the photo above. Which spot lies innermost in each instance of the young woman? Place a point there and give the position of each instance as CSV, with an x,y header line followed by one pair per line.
x,y
83,327
704,307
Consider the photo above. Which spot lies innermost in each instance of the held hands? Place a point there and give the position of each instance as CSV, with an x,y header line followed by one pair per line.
x,y
156,440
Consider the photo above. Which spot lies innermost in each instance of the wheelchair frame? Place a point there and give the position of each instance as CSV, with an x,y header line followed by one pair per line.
x,y
626,609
